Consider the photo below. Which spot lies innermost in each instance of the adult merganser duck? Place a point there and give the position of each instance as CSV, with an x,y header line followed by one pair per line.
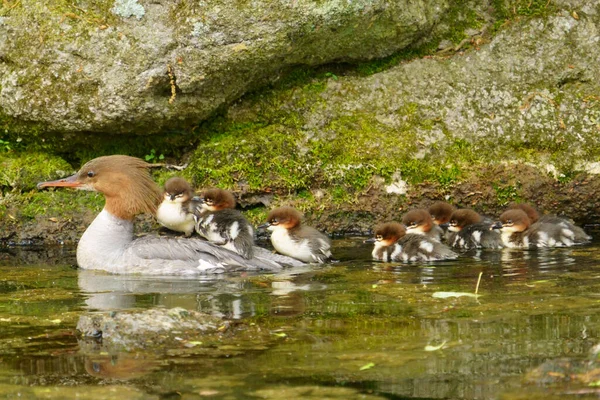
x,y
218,222
176,211
419,221
470,231
108,243
293,239
518,231
392,243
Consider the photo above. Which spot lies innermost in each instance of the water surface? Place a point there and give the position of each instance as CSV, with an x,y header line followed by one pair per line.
x,y
352,329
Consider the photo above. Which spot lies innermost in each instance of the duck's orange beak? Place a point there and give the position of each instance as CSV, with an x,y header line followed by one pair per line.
x,y
71,182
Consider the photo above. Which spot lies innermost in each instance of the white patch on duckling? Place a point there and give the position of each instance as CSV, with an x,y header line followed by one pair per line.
x,y
543,240
477,237
285,244
234,230
171,215
568,233
506,235
426,246
396,252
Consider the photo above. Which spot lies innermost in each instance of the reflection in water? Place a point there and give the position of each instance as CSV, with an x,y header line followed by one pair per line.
x,y
121,367
356,323
218,295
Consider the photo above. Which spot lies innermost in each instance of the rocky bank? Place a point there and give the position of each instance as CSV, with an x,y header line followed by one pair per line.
x,y
480,105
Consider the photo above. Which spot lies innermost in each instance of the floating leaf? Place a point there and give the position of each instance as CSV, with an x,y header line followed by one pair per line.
x,y
367,366
374,286
56,321
280,334
434,348
445,295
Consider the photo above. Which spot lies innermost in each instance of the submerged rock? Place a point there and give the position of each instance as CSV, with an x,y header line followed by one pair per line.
x,y
154,327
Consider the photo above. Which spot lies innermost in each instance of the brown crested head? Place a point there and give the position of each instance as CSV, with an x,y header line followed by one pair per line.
x,y
531,212
515,220
441,212
464,217
218,199
177,187
389,233
124,181
287,217
418,219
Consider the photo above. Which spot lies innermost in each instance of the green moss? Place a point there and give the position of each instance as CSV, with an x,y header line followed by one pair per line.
x,y
458,18
257,215
507,10
506,193
22,171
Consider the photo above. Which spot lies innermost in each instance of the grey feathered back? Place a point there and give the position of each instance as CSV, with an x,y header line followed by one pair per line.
x,y
184,255
318,243
415,247
477,236
243,242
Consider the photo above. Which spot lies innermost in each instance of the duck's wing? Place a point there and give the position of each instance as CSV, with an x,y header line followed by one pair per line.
x,y
196,256
318,243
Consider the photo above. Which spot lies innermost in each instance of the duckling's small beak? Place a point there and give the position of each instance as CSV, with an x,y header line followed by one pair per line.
x,y
496,225
445,225
264,226
71,182
371,240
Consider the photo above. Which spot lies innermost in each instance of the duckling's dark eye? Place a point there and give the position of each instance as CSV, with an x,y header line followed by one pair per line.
x,y
412,224
274,221
453,223
90,174
378,237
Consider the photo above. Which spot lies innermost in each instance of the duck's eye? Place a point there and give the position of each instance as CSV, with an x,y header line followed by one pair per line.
x,y
378,237
508,222
178,196
274,221
453,223
90,174
209,201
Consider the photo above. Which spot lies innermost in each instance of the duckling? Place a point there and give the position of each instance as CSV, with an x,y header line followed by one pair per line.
x,y
392,243
517,231
291,238
534,216
441,212
419,221
217,221
176,211
470,231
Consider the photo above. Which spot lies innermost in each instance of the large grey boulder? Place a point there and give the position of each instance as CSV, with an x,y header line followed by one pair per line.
x,y
127,66
530,94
